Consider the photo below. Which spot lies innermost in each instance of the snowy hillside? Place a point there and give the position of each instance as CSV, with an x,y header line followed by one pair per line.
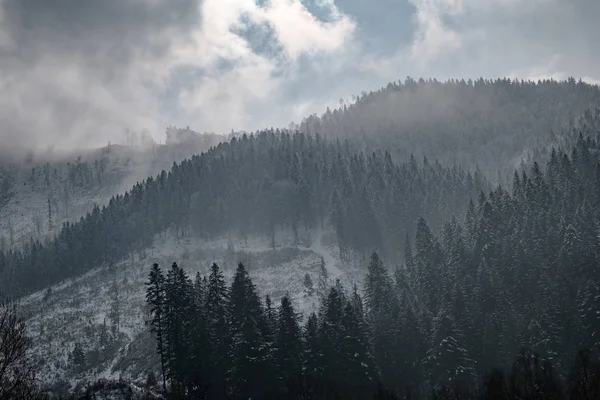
x,y
82,312
38,195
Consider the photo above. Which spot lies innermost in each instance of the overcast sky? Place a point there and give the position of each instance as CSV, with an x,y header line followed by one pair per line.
x,y
77,73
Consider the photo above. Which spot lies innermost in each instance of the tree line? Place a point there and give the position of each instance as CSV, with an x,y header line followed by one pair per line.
x,y
217,342
487,123
254,185
519,270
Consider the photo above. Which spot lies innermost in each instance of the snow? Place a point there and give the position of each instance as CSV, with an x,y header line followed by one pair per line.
x,y
77,309
326,254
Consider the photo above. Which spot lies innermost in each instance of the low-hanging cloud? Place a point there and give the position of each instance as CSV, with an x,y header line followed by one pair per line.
x,y
78,73
75,74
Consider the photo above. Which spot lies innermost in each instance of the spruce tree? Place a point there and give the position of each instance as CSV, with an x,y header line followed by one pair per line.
x,y
217,298
312,350
249,370
155,297
382,313
360,377
288,347
179,309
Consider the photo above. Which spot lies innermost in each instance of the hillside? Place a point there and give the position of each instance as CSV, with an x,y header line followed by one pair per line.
x,y
462,274
41,192
492,124
86,304
256,185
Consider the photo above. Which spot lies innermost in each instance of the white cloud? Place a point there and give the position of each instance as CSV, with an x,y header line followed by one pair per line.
x,y
432,38
70,98
82,75
223,98
300,32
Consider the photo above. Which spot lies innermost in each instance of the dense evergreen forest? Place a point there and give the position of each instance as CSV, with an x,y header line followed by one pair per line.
x,y
256,184
218,342
491,124
520,271
462,277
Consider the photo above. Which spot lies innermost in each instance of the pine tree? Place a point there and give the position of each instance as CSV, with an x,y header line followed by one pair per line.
x,y
155,297
288,347
312,351
323,282
249,369
200,347
427,265
179,307
382,314
331,334
360,376
448,360
217,298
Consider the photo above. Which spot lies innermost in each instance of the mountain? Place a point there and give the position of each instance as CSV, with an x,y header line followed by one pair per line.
x,y
40,192
491,124
257,185
86,304
456,274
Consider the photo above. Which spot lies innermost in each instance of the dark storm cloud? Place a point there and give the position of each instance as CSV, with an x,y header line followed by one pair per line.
x,y
67,66
108,31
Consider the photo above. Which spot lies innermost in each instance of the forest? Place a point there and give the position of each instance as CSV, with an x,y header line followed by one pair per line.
x,y
520,271
218,342
485,123
475,286
256,184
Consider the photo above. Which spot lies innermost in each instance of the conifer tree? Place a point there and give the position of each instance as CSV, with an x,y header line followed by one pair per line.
x,y
178,330
217,298
248,329
115,309
155,297
382,314
360,376
288,347
312,350
199,363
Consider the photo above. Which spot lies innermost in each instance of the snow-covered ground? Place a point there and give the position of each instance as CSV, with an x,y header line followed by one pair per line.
x,y
79,310
25,215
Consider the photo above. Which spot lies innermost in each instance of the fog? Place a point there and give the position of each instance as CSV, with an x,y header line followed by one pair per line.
x,y
78,74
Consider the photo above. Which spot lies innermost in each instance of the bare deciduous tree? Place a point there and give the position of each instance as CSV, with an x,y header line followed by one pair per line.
x,y
17,377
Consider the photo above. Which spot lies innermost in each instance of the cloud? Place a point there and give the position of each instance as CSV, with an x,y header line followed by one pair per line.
x,y
79,73
300,32
433,38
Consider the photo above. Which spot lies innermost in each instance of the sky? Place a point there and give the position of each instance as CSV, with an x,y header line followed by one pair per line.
x,y
80,73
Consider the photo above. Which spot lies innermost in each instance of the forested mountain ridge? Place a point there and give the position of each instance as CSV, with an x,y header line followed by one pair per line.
x,y
464,276
254,185
491,124
39,192
520,272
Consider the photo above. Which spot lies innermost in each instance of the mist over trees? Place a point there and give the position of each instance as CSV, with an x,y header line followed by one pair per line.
x,y
490,124
257,184
471,289
387,345
520,271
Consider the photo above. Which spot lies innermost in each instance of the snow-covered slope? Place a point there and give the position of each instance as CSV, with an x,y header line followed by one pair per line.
x,y
40,195
78,312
